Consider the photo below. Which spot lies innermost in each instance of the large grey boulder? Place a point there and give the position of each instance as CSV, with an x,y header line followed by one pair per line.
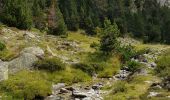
x,y
37,51
3,70
26,59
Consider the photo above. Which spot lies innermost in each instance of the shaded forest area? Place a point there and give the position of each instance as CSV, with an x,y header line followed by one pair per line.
x,y
145,19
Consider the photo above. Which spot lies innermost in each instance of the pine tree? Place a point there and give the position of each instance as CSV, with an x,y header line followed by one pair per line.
x,y
17,13
39,18
69,10
56,23
110,34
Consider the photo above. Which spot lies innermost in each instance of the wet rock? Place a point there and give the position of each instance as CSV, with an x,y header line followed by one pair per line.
x,y
56,88
70,88
79,94
97,86
63,90
122,75
87,88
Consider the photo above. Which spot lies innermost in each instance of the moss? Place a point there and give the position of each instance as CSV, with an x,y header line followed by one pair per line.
x,y
50,64
27,85
7,55
2,46
69,76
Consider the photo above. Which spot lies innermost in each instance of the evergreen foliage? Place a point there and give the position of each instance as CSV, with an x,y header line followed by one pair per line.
x,y
110,34
145,19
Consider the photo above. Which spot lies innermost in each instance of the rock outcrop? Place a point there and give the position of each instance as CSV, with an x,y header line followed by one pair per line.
x,y
3,70
26,59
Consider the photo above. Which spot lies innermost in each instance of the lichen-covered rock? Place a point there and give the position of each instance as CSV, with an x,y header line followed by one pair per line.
x,y
3,70
37,51
24,61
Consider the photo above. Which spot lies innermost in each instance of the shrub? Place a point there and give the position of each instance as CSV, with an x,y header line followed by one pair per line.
x,y
163,67
70,76
126,52
85,68
120,86
50,64
2,46
133,66
89,68
26,85
94,45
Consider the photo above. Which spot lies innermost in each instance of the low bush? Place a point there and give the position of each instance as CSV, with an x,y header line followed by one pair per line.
x,y
69,76
50,64
120,86
126,52
26,85
95,45
2,46
163,65
88,68
133,66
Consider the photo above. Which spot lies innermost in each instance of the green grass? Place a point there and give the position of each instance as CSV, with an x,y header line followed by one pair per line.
x,y
85,40
29,84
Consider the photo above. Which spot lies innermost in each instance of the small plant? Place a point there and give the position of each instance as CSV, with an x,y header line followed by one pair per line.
x,y
94,45
126,52
89,68
120,86
133,66
2,46
85,68
50,64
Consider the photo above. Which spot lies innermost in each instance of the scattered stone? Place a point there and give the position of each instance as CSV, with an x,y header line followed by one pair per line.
x,y
63,90
153,65
56,88
122,75
78,94
29,35
153,94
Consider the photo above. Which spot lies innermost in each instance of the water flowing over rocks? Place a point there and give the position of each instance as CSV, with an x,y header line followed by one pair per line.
x,y
75,92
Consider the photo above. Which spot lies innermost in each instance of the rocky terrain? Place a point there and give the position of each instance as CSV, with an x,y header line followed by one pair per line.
x,y
24,48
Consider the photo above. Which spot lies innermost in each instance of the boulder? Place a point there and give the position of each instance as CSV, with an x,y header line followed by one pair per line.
x,y
63,90
37,51
79,94
24,61
56,88
3,70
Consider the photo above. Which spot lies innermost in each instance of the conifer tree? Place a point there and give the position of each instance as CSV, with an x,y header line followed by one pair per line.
x,y
56,24
110,34
17,13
